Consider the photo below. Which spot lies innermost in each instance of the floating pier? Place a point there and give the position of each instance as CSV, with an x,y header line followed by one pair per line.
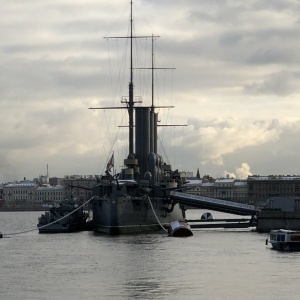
x,y
223,223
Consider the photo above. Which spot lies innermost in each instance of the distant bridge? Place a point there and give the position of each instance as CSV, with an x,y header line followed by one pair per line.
x,y
214,204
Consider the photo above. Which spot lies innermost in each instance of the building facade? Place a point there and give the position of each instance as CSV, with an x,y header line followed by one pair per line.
x,y
26,194
78,186
19,194
1,195
261,188
48,195
255,190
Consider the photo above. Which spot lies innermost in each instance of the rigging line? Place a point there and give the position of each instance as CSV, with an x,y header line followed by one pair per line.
x,y
113,89
170,111
161,225
25,231
173,146
114,142
181,146
140,61
143,72
122,62
148,78
101,138
142,17
107,127
163,131
117,21
102,141
118,83
109,65
156,89
172,86
163,150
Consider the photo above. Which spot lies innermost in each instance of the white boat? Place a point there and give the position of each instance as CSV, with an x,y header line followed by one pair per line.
x,y
284,240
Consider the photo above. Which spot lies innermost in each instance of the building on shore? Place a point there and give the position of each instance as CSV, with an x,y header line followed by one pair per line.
x,y
223,188
19,194
1,195
40,193
79,186
255,190
46,195
261,188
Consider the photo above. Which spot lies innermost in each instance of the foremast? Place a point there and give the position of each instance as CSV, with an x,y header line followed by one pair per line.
x,y
131,102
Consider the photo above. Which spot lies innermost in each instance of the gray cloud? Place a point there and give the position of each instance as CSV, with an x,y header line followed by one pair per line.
x,y
235,84
280,84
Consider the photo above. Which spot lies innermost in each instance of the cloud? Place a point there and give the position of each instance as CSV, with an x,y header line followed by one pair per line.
x,y
240,173
281,83
235,83
218,137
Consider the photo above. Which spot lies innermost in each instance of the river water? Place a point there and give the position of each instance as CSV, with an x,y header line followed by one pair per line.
x,y
213,264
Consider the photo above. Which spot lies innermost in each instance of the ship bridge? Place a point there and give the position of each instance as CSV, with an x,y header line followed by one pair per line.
x,y
197,201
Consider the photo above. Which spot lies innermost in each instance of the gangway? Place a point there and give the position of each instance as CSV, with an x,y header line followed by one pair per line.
x,y
197,201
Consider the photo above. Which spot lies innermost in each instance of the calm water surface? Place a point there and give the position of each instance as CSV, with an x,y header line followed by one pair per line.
x,y
213,264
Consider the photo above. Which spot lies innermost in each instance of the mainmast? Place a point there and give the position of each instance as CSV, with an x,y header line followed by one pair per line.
x,y
131,103
134,157
152,73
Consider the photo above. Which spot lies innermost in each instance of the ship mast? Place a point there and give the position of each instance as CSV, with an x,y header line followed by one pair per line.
x,y
152,75
131,103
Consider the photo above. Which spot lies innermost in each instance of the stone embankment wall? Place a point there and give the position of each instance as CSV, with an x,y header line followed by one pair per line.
x,y
269,220
5,208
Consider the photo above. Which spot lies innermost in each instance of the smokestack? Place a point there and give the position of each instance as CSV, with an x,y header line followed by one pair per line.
x,y
142,137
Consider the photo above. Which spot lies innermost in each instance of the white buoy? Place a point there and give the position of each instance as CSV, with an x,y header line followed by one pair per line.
x,y
207,216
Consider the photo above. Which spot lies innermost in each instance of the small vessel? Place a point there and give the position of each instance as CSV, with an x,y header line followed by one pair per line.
x,y
180,228
69,216
284,240
1,235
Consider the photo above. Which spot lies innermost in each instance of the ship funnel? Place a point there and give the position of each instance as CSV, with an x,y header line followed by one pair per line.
x,y
142,137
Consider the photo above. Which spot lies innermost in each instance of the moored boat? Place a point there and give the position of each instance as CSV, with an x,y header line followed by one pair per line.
x,y
284,240
69,216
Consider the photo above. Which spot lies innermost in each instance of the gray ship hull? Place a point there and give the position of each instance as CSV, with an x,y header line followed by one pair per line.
x,y
125,215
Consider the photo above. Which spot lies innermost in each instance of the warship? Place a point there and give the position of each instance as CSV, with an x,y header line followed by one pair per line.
x,y
137,199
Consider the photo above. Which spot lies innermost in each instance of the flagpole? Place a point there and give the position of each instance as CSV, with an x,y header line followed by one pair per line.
x,y
111,163
114,163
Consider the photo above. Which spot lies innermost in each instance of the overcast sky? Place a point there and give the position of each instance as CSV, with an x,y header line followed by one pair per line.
x,y
236,85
